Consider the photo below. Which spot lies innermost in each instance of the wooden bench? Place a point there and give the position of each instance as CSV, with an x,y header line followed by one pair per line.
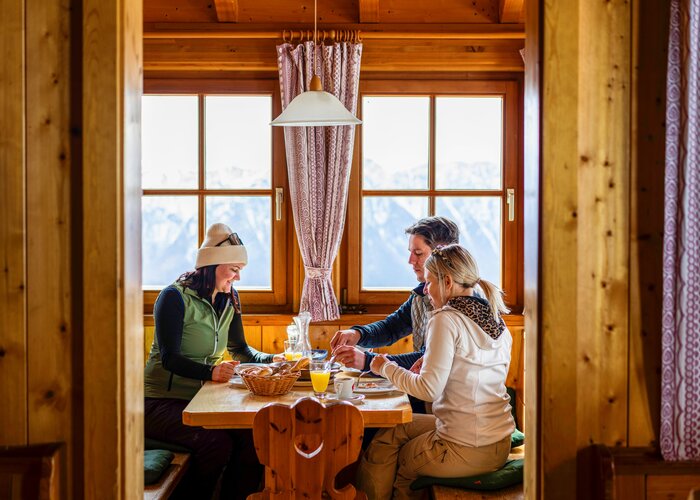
x,y
623,473
513,493
169,480
31,472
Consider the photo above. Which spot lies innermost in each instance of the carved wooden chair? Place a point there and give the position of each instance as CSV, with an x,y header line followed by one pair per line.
x,y
305,446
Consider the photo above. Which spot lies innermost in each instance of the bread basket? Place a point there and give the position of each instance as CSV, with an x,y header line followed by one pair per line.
x,y
261,383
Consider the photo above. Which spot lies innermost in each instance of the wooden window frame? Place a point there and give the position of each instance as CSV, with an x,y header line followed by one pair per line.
x,y
512,232
275,300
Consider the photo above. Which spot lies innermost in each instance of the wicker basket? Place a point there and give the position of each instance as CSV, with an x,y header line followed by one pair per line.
x,y
272,385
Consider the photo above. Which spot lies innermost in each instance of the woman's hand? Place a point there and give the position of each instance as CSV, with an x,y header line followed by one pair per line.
x,y
415,368
224,371
277,357
377,363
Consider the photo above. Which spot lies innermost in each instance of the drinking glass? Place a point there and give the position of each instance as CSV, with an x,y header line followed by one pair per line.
x,y
320,372
291,350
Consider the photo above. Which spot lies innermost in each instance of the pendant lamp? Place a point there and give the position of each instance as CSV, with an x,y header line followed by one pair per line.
x,y
315,107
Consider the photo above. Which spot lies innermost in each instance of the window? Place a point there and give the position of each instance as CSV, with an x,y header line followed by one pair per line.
x,y
209,157
425,147
434,148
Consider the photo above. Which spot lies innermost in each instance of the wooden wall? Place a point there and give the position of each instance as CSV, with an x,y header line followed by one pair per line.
x,y
597,303
70,298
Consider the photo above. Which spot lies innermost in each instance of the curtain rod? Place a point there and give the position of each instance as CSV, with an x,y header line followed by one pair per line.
x,y
340,35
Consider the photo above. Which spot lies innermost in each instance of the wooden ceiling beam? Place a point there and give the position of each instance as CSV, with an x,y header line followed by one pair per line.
x,y
510,11
369,11
367,31
226,11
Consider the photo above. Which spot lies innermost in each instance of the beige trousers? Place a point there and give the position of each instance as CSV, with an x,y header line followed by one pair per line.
x,y
398,455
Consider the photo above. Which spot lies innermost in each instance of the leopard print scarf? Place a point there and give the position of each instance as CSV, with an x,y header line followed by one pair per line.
x,y
479,311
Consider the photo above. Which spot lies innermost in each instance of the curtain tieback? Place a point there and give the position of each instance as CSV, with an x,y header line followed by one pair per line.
x,y
317,272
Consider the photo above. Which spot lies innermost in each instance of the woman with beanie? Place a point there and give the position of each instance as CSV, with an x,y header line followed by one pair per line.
x,y
197,318
463,373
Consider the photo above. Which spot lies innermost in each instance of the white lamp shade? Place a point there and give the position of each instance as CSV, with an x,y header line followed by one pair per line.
x,y
315,108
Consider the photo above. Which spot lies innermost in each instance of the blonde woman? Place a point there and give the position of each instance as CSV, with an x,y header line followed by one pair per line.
x,y
463,373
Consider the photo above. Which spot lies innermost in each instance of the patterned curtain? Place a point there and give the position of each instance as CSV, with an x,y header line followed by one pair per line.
x,y
318,165
680,378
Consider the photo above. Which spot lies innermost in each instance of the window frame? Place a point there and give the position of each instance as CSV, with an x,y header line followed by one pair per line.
x,y
276,299
512,240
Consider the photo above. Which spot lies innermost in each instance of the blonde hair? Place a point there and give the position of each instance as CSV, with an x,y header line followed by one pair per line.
x,y
455,261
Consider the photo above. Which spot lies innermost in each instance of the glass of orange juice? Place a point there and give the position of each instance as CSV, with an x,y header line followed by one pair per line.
x,y
292,350
320,372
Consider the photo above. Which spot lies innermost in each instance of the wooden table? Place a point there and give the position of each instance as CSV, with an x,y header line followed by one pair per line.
x,y
223,406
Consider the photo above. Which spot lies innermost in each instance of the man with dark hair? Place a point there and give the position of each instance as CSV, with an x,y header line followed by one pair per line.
x,y
412,316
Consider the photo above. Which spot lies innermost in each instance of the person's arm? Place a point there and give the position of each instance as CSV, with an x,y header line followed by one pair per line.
x,y
239,348
404,360
430,383
169,314
387,331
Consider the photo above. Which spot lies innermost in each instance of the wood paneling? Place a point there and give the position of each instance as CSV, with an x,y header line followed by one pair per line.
x,y
632,487
647,196
369,11
111,225
13,332
226,10
232,55
329,11
589,293
603,223
510,11
559,252
670,487
49,323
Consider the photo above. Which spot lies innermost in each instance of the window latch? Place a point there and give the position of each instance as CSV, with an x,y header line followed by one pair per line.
x,y
510,200
279,199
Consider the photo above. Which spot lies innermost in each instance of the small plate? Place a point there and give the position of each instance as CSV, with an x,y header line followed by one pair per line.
x,y
376,389
356,399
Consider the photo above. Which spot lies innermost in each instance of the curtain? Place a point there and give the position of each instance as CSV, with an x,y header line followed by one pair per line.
x,y
680,377
318,165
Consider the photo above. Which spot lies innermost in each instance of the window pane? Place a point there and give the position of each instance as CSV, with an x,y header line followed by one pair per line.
x,y
169,142
395,142
468,142
238,142
251,218
384,241
169,243
479,222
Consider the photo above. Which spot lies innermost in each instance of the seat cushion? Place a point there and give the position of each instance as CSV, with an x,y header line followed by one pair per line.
x,y
155,462
517,439
508,475
154,444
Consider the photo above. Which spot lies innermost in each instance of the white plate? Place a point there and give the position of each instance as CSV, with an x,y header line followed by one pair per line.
x,y
356,399
375,391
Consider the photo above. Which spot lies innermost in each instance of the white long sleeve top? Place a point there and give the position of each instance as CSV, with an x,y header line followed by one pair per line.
x,y
464,373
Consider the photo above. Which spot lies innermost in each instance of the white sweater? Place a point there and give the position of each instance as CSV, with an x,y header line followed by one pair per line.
x,y
464,374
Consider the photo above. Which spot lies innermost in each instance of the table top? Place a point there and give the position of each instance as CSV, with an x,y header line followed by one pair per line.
x,y
224,406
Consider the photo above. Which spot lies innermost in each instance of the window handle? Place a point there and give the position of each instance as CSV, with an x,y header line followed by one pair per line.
x,y
279,199
510,200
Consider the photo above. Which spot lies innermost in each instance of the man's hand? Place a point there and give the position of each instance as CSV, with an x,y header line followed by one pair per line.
x,y
377,363
415,368
278,357
344,337
224,371
350,356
